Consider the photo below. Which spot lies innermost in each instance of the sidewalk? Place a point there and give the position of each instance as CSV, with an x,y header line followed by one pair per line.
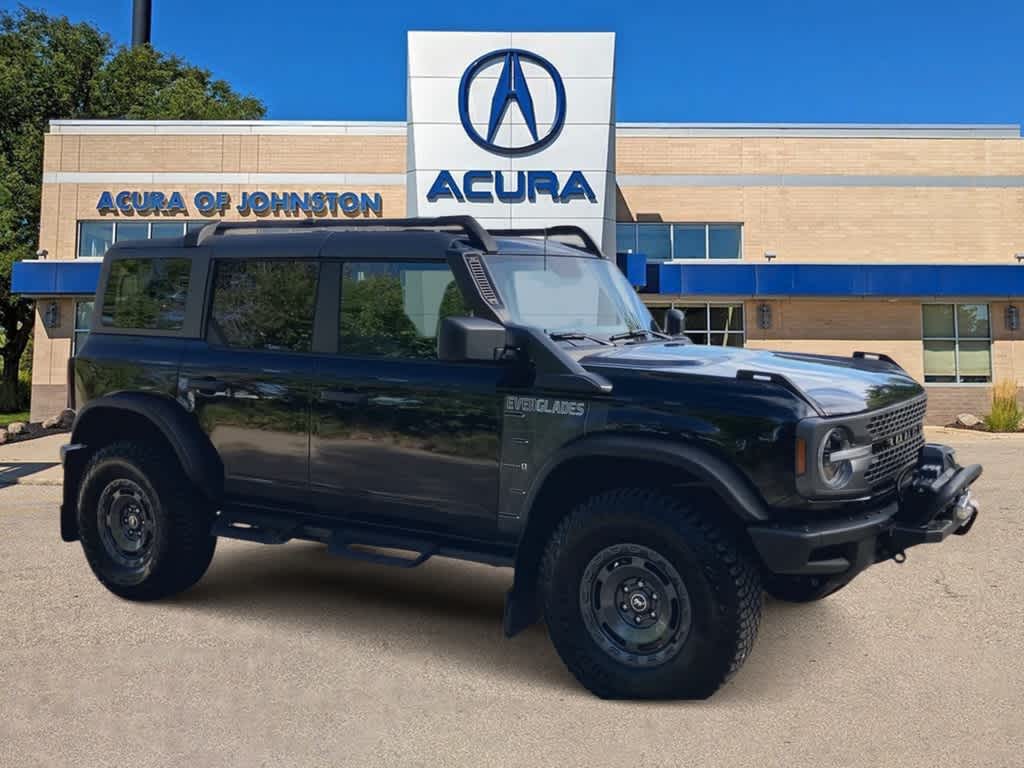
x,y
32,462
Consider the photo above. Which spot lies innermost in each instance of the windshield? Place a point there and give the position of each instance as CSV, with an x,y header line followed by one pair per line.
x,y
566,293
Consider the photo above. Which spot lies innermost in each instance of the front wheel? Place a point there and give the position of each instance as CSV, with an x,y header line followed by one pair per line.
x,y
647,596
144,530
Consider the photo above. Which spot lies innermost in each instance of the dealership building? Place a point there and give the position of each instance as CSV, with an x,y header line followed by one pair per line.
x,y
905,240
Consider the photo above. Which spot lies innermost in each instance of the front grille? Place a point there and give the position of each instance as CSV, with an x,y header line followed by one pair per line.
x,y
897,437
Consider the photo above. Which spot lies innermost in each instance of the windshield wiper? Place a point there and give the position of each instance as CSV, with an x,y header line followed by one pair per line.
x,y
638,334
578,335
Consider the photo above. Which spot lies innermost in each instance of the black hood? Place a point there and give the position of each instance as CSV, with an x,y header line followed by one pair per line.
x,y
837,385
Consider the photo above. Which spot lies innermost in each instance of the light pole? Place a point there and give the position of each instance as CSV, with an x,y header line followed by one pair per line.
x,y
142,22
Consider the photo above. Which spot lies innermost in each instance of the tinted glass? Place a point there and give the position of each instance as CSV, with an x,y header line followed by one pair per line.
x,y
94,237
147,294
723,241
625,237
196,225
654,241
728,318
696,318
938,321
972,321
132,230
83,321
264,304
689,241
975,359
168,229
939,361
392,309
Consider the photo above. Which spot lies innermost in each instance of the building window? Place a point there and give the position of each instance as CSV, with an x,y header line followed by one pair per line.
x,y
957,343
83,321
660,241
719,325
94,237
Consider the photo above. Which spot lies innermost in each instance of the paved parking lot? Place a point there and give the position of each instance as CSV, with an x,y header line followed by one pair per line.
x,y
285,656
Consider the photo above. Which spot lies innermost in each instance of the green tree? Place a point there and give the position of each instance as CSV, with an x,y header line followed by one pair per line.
x,y
51,68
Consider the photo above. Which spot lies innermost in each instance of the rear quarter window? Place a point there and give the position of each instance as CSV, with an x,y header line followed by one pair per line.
x,y
146,294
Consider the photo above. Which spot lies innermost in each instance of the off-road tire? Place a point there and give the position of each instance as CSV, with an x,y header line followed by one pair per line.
x,y
182,546
799,589
720,578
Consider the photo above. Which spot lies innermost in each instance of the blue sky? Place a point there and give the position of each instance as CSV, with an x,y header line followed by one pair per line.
x,y
899,61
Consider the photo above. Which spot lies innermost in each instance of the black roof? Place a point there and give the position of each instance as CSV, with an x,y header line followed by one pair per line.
x,y
403,238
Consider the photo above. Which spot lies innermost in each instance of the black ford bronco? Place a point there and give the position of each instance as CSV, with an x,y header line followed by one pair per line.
x,y
410,388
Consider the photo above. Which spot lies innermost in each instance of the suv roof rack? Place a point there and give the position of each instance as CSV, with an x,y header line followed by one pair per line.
x,y
586,240
478,237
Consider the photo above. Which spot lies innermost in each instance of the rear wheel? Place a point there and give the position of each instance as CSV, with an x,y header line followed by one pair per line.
x,y
646,597
144,530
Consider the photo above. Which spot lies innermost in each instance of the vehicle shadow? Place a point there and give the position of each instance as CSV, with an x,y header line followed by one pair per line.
x,y
454,609
13,472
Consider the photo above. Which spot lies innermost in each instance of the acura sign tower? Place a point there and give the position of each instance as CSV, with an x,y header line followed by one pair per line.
x,y
515,128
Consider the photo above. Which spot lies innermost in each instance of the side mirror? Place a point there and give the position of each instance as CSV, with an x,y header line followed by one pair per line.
x,y
675,322
462,339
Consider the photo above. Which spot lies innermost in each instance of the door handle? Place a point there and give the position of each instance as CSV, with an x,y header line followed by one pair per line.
x,y
207,385
343,398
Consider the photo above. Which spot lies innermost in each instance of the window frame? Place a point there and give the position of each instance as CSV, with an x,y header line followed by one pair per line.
x,y
708,306
956,339
673,259
334,308
185,223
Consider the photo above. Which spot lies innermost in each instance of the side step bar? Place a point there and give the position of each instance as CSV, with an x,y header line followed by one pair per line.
x,y
352,541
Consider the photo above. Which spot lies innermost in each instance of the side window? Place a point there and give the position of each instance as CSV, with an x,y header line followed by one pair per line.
x,y
148,294
263,304
392,309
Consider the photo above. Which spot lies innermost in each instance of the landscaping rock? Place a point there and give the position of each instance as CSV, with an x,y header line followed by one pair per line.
x,y
62,420
3,436
17,428
967,420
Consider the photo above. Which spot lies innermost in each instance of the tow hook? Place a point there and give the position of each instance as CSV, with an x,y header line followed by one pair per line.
x,y
899,557
965,511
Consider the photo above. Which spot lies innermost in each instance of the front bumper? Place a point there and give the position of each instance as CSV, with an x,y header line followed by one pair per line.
x,y
933,503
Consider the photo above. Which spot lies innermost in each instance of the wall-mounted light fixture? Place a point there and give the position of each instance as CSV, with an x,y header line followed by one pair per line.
x,y
764,316
769,255
1019,257
51,315
1012,318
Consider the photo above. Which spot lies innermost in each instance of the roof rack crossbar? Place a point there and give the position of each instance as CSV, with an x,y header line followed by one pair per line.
x,y
560,230
478,237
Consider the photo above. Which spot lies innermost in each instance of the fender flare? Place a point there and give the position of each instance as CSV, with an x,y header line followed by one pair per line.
x,y
728,482
724,479
193,449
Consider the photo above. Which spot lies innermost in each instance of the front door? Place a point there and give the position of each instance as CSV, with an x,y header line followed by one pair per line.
x,y
251,379
399,437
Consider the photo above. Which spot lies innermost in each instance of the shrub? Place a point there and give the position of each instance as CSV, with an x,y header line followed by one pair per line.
x,y
1006,411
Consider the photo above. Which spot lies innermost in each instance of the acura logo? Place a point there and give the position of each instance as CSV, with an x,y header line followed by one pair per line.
x,y
512,86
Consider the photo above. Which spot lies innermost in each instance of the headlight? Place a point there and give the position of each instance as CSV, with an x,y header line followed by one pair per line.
x,y
834,465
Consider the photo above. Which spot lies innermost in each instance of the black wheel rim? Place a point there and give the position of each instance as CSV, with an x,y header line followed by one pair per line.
x,y
127,526
635,605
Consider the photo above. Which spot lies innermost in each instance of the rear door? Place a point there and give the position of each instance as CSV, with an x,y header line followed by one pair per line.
x,y
250,378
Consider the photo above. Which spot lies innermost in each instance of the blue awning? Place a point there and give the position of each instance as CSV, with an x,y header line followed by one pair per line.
x,y
992,281
56,278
